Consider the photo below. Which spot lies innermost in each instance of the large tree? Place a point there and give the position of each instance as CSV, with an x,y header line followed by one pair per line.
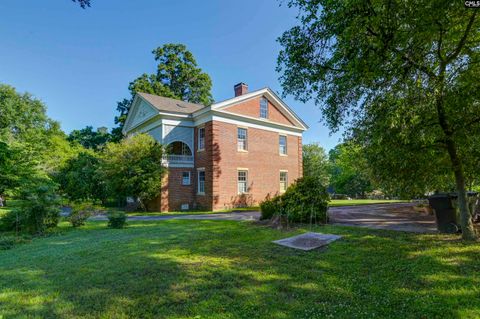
x,y
315,162
177,76
401,74
133,168
89,138
349,172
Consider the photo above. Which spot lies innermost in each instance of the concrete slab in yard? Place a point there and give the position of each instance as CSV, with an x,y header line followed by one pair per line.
x,y
307,241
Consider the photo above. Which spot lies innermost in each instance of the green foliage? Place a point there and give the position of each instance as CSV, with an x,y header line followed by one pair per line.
x,y
41,209
10,221
81,211
315,162
305,201
80,178
177,76
89,138
9,242
31,144
133,168
405,81
349,170
270,207
117,219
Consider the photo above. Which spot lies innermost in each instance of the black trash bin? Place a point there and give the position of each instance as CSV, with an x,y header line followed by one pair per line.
x,y
445,213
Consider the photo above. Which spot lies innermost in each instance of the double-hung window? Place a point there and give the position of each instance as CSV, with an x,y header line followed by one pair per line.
x,y
201,138
282,144
242,139
201,181
186,178
242,181
264,108
283,181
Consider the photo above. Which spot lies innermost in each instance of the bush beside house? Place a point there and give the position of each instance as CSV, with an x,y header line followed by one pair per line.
x,y
305,201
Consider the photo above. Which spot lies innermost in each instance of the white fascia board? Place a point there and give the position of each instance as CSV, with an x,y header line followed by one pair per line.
x,y
238,99
273,97
142,128
286,108
231,118
129,116
178,122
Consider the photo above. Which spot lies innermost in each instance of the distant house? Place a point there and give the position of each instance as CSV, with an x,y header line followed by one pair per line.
x,y
230,154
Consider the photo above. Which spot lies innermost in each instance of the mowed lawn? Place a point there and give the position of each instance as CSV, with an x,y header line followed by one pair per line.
x,y
226,269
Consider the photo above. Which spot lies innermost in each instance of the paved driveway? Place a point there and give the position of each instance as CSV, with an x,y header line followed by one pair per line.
x,y
398,216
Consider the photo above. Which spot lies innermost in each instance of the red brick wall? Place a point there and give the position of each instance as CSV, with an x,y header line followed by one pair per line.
x,y
262,160
221,161
252,108
204,159
173,193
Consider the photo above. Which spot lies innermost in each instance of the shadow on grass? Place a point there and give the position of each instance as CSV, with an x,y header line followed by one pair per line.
x,y
223,269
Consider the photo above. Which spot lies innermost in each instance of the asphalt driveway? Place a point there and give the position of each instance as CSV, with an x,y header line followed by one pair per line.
x,y
397,216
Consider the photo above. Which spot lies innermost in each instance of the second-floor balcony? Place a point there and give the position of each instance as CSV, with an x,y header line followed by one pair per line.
x,y
178,155
177,159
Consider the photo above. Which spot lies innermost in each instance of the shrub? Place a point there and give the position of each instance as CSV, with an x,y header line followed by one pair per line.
x,y
81,211
305,201
269,207
40,211
8,242
10,221
117,219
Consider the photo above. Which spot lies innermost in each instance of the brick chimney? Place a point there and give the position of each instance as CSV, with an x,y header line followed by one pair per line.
x,y
240,89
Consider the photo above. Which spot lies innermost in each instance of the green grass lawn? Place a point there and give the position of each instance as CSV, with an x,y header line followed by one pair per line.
x,y
356,202
226,269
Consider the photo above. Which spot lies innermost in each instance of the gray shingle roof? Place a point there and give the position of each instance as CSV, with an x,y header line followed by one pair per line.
x,y
170,105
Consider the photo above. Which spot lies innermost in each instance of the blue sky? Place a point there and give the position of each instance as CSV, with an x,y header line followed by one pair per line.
x,y
79,62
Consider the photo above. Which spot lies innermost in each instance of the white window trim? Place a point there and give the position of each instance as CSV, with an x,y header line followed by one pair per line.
x,y
286,145
246,182
202,169
246,139
189,178
280,181
198,138
266,111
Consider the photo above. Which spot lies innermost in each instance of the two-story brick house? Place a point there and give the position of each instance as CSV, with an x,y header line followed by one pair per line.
x,y
230,154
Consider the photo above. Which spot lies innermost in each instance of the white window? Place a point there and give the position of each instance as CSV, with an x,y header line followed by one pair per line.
x,y
201,181
185,178
242,139
201,138
264,108
242,181
283,144
283,181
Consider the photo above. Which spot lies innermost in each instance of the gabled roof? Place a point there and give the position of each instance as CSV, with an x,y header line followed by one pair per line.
x,y
170,105
271,96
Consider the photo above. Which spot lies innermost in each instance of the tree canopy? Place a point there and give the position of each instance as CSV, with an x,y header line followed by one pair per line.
x,y
349,172
133,168
395,73
89,138
315,163
177,76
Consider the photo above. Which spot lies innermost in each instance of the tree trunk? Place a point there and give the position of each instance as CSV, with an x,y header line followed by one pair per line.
x,y
468,232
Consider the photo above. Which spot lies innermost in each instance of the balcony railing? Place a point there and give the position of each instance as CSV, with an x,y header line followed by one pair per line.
x,y
177,160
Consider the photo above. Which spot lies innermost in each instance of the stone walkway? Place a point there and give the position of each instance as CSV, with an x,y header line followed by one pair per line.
x,y
398,216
